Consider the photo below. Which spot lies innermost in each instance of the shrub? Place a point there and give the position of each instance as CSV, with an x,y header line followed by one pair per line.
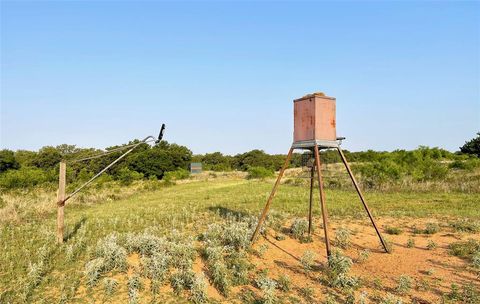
x,y
469,294
220,276
134,285
182,280
299,228
262,249
465,249
110,286
114,256
476,260
199,290
330,300
178,174
259,173
307,293
410,243
8,161
431,245
431,228
363,255
393,230
342,238
284,282
156,266
466,225
404,284
391,299
267,286
109,255
225,246
469,164
388,244
25,177
93,271
338,267
308,260
127,176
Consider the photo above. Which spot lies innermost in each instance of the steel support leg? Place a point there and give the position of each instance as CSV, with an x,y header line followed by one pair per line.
x,y
310,215
272,194
362,198
322,199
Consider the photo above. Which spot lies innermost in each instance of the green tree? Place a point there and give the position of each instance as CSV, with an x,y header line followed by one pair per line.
x,y
47,158
472,146
8,161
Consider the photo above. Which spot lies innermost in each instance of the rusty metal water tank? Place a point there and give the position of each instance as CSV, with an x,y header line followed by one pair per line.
x,y
314,118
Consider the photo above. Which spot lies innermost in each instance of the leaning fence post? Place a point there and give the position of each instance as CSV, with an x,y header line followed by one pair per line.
x,y
61,201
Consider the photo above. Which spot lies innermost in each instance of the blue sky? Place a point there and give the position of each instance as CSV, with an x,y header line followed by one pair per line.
x,y
222,75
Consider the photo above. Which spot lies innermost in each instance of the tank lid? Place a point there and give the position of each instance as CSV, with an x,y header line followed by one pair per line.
x,y
316,94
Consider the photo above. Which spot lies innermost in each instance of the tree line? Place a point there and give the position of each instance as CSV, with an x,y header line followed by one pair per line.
x,y
24,168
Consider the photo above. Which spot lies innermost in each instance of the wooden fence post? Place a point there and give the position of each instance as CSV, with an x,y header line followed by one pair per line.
x,y
61,201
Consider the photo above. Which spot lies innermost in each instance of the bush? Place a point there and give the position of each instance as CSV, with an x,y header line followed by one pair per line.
x,y
25,177
404,284
199,290
110,286
308,260
127,176
225,247
259,173
8,161
268,287
299,228
393,230
469,164
363,255
466,225
431,228
284,283
342,238
465,249
338,267
177,174
431,245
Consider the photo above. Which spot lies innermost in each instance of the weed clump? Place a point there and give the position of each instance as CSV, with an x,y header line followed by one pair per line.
x,y
342,238
225,253
109,255
267,286
259,173
299,228
113,255
431,245
393,230
134,285
284,283
199,289
468,295
410,243
431,228
363,255
391,299
110,286
308,260
182,280
465,249
404,284
466,225
338,266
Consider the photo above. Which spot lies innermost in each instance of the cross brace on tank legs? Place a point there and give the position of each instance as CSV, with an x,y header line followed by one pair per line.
x,y
316,167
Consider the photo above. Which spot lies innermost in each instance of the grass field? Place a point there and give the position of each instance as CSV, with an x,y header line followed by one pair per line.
x,y
34,269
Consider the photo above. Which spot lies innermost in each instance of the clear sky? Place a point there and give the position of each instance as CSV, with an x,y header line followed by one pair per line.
x,y
222,75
